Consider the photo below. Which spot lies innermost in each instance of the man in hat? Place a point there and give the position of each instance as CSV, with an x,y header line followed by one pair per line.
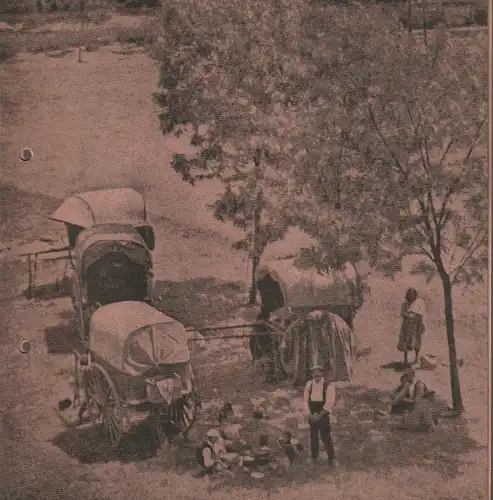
x,y
319,398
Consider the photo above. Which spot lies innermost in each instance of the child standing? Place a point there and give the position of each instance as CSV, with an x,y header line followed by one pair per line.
x,y
412,326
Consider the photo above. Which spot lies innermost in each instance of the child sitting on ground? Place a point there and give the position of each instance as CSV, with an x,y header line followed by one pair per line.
x,y
291,448
229,429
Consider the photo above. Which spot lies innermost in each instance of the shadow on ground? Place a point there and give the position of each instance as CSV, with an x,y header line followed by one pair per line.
x,y
199,301
365,439
87,444
359,417
397,366
62,338
20,211
48,291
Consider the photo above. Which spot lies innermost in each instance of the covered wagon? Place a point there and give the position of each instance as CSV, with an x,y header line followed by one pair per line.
x,y
312,313
106,206
292,285
137,361
111,263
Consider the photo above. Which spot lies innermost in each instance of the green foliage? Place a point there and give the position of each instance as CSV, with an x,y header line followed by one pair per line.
x,y
393,138
399,140
374,145
227,70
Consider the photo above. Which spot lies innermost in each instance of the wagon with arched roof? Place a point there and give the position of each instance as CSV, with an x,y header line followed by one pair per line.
x,y
105,206
110,243
137,362
310,313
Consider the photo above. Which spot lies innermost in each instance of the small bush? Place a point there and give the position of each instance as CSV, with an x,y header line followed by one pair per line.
x,y
432,18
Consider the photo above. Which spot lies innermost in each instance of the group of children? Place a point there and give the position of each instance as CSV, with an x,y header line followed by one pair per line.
x,y
412,399
226,439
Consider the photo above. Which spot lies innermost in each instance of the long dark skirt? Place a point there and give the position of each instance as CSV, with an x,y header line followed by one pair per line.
x,y
412,330
401,406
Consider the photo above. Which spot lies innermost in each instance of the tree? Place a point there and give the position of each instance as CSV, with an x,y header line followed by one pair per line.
x,y
227,70
414,181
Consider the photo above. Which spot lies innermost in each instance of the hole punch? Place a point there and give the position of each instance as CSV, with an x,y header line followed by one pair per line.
x,y
26,154
25,346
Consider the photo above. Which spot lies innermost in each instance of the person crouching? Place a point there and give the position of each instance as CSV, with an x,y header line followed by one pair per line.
x,y
209,453
414,401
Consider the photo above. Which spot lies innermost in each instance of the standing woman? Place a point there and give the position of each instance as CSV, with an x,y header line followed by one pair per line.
x,y
412,327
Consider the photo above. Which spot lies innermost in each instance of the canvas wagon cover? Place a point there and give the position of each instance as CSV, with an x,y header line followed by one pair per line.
x,y
133,337
124,205
95,242
305,287
319,338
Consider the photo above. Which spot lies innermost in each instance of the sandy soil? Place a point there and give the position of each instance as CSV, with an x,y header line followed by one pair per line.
x,y
93,125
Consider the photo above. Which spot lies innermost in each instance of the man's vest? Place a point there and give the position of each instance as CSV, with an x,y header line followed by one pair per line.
x,y
317,406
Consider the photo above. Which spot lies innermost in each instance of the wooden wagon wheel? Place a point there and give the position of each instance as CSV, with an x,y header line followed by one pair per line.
x,y
103,403
286,364
183,412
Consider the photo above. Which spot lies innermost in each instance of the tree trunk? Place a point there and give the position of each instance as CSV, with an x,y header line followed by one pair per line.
x,y
257,213
425,31
409,19
449,324
256,250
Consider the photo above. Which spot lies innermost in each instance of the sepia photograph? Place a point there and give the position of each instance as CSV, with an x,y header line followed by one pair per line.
x,y
244,249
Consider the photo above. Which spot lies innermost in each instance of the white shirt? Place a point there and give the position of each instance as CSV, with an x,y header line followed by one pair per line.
x,y
207,454
317,395
412,386
219,450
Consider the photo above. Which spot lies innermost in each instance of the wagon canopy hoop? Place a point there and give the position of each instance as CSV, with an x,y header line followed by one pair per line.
x,y
96,242
121,205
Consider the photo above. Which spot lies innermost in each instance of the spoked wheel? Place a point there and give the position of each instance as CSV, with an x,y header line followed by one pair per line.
x,y
103,403
182,413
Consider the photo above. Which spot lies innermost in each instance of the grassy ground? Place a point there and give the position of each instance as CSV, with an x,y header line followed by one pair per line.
x,y
104,132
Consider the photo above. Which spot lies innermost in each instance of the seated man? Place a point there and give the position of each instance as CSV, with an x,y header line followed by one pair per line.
x,y
413,399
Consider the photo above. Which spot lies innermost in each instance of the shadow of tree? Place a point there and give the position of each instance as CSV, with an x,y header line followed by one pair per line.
x,y
359,416
397,366
62,338
365,439
87,445
199,301
48,291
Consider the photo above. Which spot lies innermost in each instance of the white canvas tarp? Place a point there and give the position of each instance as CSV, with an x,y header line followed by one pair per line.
x,y
305,287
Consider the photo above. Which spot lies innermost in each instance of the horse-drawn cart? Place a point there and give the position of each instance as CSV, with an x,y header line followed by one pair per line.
x,y
306,318
137,362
